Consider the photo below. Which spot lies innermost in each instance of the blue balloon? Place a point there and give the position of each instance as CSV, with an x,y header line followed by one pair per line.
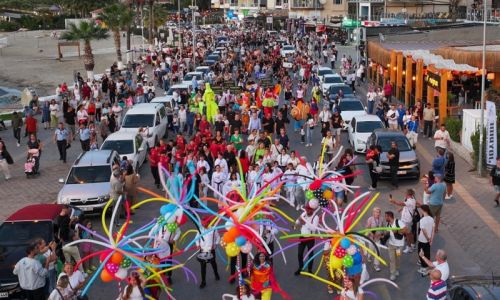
x,y
354,270
345,243
357,258
165,209
240,241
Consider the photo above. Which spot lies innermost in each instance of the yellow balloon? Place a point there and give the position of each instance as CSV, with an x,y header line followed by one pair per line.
x,y
232,249
336,263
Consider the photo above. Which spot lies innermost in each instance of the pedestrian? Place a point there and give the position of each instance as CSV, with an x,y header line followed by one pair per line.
x,y
373,163
374,221
60,292
436,198
87,248
351,290
5,160
371,96
31,274
395,243
131,184
438,288
428,115
308,223
442,139
495,181
409,209
262,276
54,114
84,134
207,241
46,114
392,117
393,156
62,137
388,90
70,119
47,252
134,290
309,127
17,124
76,280
425,237
31,127
449,175
412,133
441,263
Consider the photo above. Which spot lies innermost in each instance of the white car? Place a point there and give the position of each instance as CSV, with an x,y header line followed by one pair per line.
x,y
359,130
287,50
129,144
328,80
322,71
167,101
350,108
177,87
202,69
152,116
188,78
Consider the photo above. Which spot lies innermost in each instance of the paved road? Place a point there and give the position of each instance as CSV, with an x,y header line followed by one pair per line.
x,y
469,232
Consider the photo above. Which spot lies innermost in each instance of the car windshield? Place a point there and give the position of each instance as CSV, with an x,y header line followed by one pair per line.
x,y
324,72
23,233
334,90
122,147
402,142
189,77
351,106
139,120
89,174
288,48
333,79
368,126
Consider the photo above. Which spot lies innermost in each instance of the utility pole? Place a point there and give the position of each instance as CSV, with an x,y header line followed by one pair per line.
x,y
483,79
194,8
179,25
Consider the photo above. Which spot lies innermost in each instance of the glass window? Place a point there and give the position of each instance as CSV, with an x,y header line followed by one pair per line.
x,y
401,141
350,106
338,2
157,121
369,126
122,147
90,174
139,120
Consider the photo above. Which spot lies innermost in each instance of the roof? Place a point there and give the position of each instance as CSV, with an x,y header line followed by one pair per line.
x,y
438,61
121,135
36,212
91,158
388,132
367,118
142,108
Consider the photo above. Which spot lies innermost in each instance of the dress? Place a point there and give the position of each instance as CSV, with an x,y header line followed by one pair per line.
x,y
449,172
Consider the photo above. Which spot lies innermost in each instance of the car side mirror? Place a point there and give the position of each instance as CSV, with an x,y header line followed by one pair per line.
x,y
61,180
140,149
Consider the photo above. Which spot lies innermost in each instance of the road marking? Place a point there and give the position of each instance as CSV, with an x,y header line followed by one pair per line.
x,y
468,199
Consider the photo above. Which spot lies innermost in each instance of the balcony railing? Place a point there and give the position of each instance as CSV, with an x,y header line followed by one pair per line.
x,y
476,15
306,4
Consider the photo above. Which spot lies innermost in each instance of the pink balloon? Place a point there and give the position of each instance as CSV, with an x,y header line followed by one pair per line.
x,y
247,248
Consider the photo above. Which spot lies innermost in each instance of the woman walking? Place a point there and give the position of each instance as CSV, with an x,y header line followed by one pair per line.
x,y
46,115
425,237
5,161
449,175
374,221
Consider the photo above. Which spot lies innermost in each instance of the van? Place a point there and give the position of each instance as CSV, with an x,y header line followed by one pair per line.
x,y
152,116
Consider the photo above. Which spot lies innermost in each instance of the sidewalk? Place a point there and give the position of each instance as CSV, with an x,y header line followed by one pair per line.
x,y
470,216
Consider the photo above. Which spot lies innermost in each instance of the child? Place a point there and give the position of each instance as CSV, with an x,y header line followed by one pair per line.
x,y
175,123
291,181
205,182
29,165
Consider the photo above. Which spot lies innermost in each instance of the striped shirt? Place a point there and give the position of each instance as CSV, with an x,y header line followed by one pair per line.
x,y
437,290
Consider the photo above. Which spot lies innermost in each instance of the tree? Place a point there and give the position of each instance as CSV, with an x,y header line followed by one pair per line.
x,y
160,17
86,32
454,9
117,17
151,4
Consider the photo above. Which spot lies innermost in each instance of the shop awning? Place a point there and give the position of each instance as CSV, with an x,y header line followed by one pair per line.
x,y
438,61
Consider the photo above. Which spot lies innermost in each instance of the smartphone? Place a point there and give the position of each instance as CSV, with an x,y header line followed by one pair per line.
x,y
390,196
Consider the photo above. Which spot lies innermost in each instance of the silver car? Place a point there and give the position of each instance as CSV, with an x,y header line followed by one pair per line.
x,y
87,185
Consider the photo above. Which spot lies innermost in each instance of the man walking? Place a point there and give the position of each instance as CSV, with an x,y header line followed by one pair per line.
x,y
308,222
393,156
62,138
442,139
84,134
395,243
32,274
17,123
436,198
429,115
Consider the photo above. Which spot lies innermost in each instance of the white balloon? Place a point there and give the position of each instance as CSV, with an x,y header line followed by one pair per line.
x,y
313,203
122,273
247,248
228,225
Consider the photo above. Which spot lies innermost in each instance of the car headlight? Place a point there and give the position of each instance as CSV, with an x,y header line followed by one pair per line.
x,y
361,141
104,198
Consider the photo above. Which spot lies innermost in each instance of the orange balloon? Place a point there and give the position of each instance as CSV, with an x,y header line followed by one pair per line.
x,y
233,232
116,258
328,194
227,238
106,276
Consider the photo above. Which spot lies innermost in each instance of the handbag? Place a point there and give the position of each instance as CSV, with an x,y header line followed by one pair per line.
x,y
378,169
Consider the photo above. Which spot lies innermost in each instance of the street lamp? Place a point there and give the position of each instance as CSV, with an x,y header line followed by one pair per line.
x,y
194,9
483,78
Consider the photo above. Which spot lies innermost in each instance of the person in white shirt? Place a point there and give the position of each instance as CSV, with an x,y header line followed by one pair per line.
x,y
250,149
251,176
117,111
232,184
442,138
441,263
60,292
202,163
283,159
222,163
218,180
276,149
205,182
370,97
392,117
32,274
308,223
182,114
294,159
425,237
290,175
395,243
325,115
409,206
207,241
267,175
76,279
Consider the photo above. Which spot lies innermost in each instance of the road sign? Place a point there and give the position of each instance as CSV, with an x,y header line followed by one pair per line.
x,y
269,20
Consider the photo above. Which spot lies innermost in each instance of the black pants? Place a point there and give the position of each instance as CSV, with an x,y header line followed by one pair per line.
x,y
156,175
171,245
17,134
37,294
428,128
244,260
302,247
203,264
333,64
85,145
394,175
61,146
426,247
373,175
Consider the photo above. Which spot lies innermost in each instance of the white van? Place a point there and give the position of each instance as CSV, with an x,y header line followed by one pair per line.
x,y
152,116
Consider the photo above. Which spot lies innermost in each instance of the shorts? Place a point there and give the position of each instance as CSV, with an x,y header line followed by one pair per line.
x,y
337,131
497,188
436,210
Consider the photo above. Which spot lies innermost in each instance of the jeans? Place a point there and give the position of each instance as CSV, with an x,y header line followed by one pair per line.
x,y
428,128
309,135
394,258
17,134
302,247
52,279
297,125
61,146
370,107
203,265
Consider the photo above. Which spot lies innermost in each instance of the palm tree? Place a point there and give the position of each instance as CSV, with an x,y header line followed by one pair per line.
x,y
86,32
117,17
160,17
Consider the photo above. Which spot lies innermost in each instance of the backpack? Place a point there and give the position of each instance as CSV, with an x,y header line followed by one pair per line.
x,y
397,235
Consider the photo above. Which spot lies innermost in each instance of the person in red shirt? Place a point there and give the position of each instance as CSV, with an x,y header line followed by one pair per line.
x,y
204,125
91,111
164,160
154,158
64,88
163,147
30,125
86,91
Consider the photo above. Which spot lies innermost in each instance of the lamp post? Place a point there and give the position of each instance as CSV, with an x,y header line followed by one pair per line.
x,y
483,79
194,8
179,25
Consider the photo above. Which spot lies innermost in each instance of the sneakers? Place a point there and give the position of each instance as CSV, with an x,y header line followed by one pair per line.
x,y
19,145
393,277
408,250
370,188
377,268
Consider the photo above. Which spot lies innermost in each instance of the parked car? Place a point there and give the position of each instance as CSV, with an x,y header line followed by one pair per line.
x,y
188,78
327,80
17,232
87,185
287,50
152,116
322,71
334,89
350,108
360,129
129,144
409,165
203,69
474,288
212,57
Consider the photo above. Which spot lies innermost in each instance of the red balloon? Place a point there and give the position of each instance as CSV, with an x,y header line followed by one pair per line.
x,y
182,219
316,184
339,252
103,255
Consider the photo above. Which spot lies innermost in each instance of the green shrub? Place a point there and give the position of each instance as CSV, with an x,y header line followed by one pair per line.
x,y
474,138
454,127
8,26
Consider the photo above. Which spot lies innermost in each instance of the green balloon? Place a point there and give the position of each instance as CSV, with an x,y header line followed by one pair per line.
x,y
309,194
347,261
172,227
